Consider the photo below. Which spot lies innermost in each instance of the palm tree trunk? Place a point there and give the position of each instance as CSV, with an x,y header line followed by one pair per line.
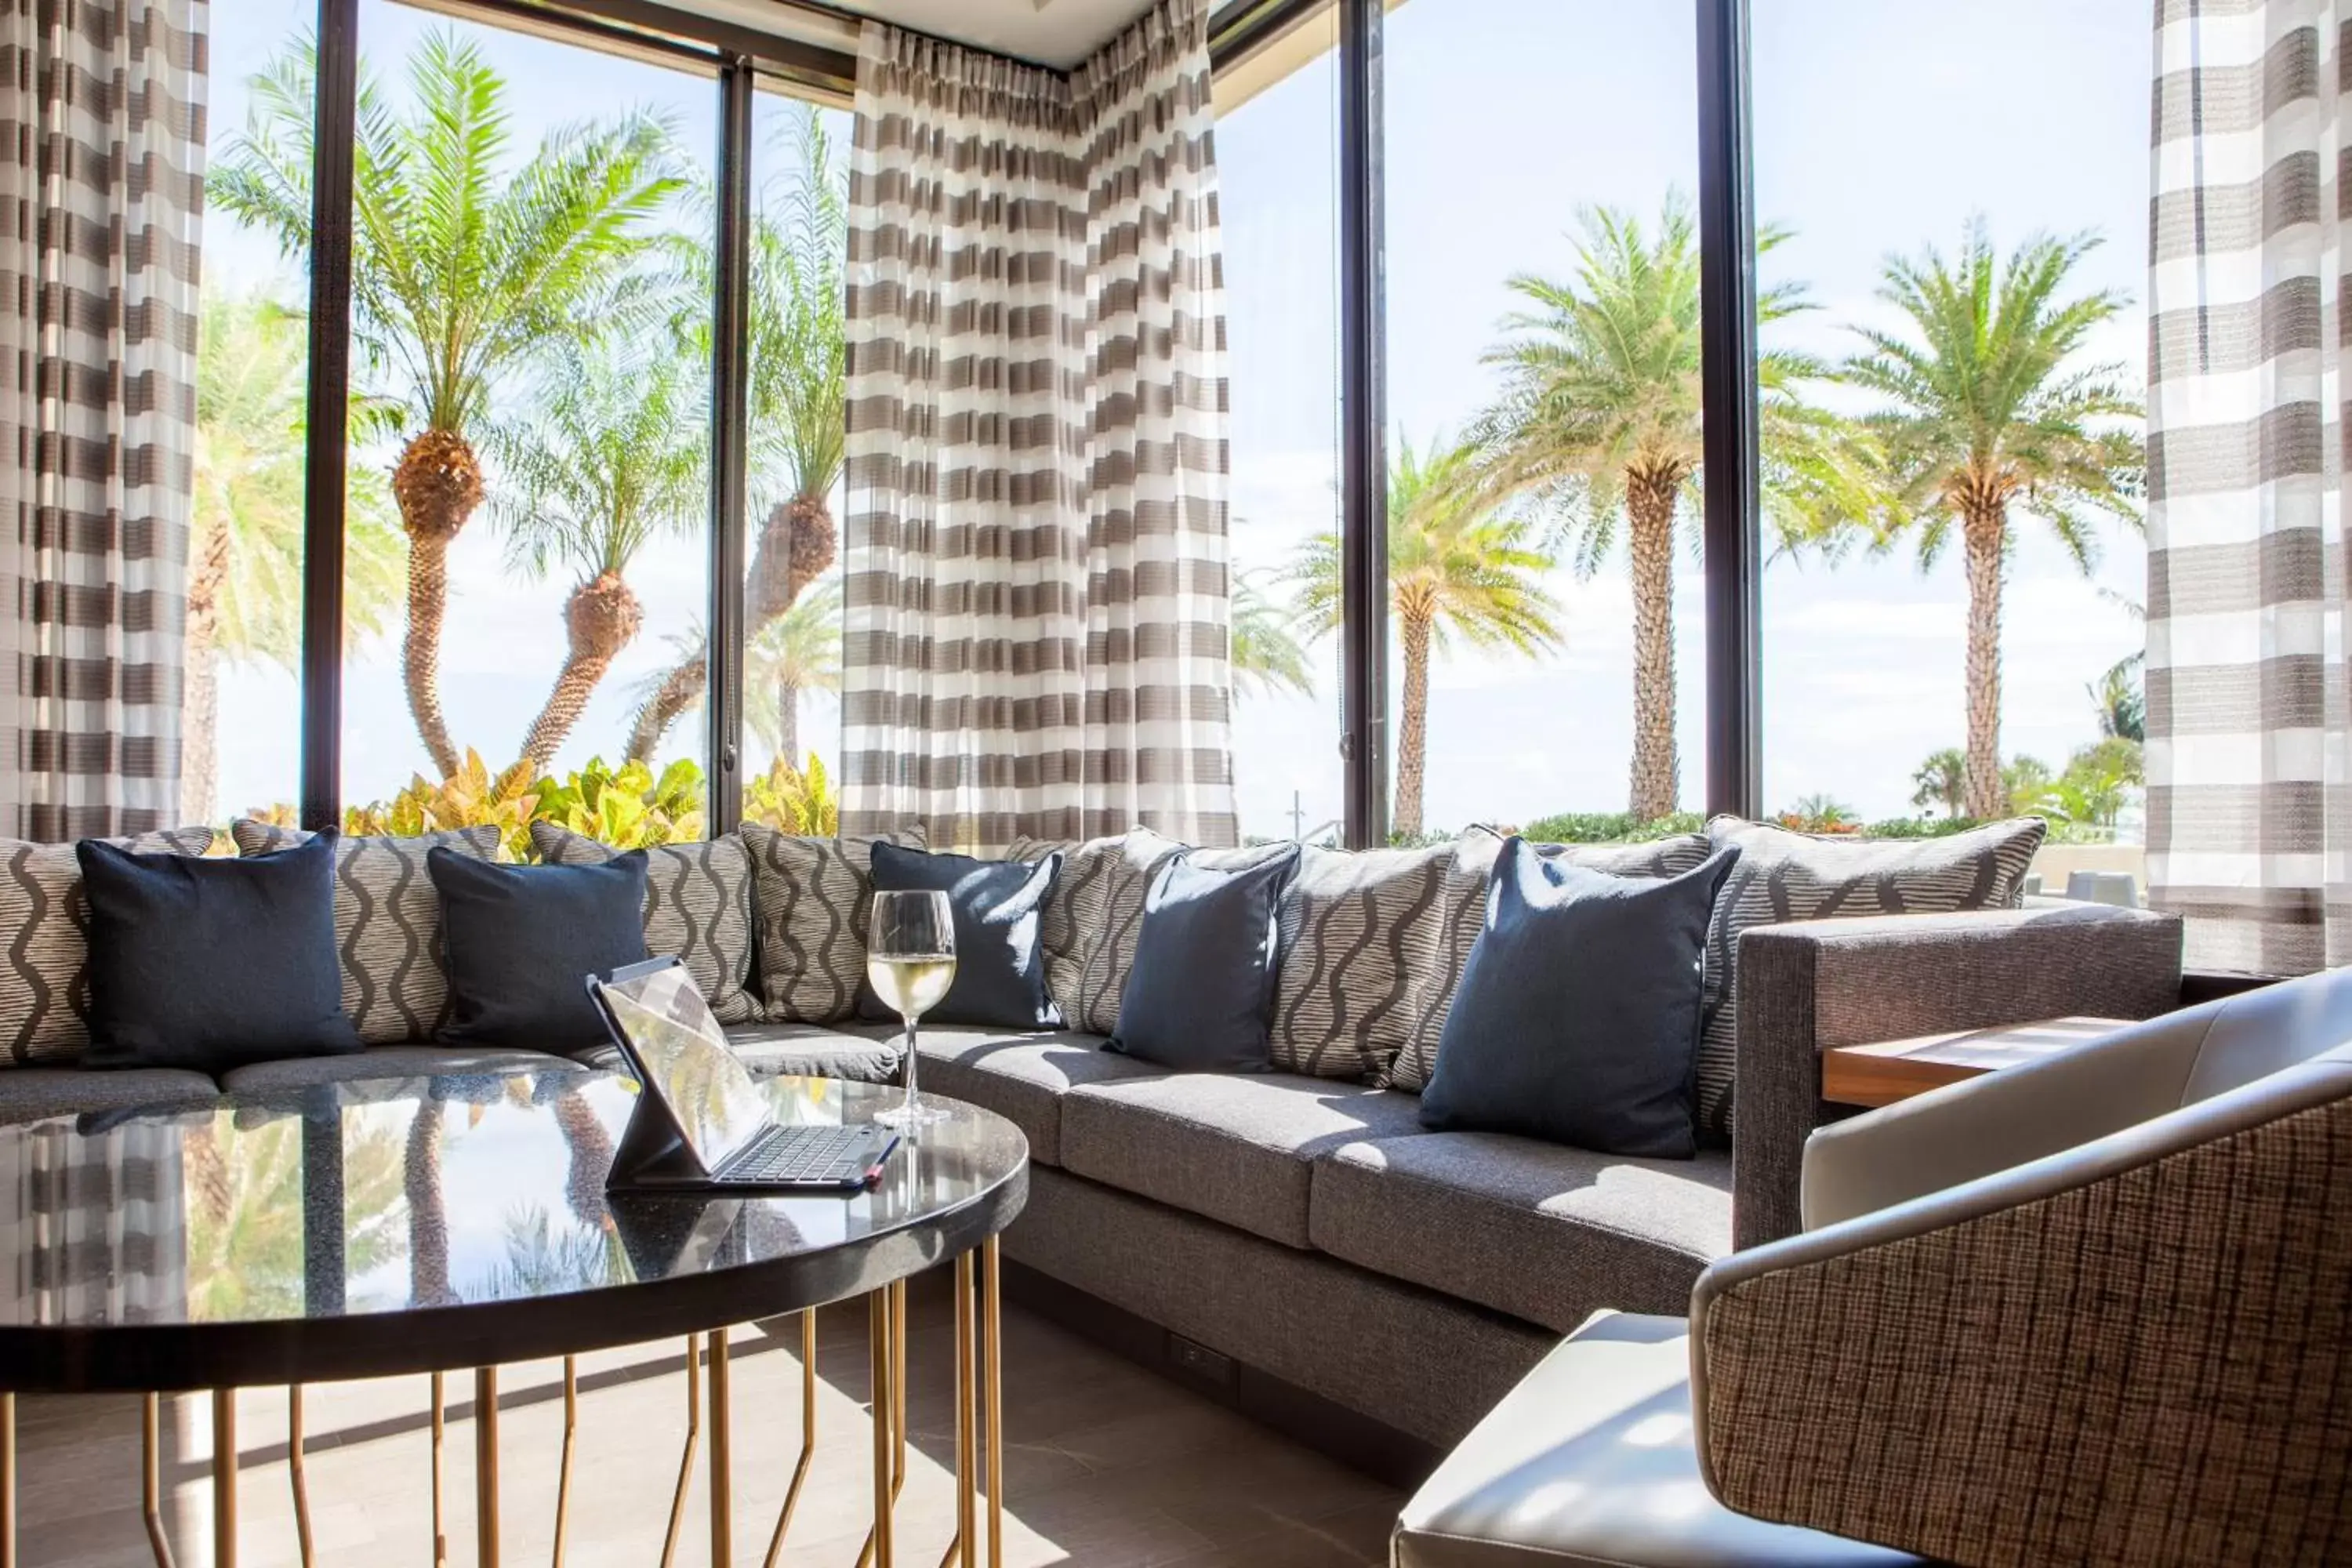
x,y
603,616
438,483
796,544
428,1213
200,678
1982,535
592,1156
788,722
1650,494
1413,744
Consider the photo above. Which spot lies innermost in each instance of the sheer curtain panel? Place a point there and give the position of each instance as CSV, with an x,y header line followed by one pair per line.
x,y
2247,717
101,180
1037,635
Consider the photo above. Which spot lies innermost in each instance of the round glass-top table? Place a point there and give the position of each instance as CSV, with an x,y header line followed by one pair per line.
x,y
430,1224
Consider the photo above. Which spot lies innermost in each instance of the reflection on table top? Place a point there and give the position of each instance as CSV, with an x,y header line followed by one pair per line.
x,y
391,1197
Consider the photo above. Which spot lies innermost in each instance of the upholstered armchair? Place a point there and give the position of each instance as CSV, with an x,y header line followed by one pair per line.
x,y
2094,1310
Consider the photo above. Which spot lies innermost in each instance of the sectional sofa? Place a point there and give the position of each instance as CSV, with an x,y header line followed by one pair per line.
x,y
1297,1230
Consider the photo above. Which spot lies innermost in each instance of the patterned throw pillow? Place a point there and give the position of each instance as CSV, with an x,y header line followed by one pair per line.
x,y
1783,876
387,924
811,899
698,909
1096,916
1468,865
1360,937
43,979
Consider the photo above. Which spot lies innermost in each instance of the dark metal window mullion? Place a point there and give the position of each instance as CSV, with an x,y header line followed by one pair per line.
x,y
1728,399
327,413
729,439
1363,412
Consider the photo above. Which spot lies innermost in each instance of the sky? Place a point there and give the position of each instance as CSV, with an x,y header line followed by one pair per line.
x,y
1881,127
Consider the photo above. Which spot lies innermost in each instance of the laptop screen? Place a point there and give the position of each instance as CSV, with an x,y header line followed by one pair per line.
x,y
670,1028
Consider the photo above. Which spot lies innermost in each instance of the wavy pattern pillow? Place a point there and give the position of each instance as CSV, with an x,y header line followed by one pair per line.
x,y
810,899
1360,937
1784,876
1096,915
44,968
1470,863
698,909
387,924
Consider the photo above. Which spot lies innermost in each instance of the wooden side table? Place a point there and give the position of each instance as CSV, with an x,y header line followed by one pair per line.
x,y
1881,1074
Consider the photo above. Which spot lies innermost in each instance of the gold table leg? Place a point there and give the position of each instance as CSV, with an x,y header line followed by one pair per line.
x,y
967,1538
693,1445
808,1438
877,1344
224,1478
7,1481
992,1396
722,1490
440,1432
151,1477
295,1477
486,1466
564,1475
898,1408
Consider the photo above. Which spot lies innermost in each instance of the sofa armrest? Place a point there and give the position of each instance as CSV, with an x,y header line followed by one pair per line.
x,y
1806,987
2132,1351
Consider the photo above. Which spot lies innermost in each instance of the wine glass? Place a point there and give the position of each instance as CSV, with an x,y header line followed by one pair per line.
x,y
911,963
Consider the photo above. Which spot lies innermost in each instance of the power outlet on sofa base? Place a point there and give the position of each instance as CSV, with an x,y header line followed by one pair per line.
x,y
1199,1361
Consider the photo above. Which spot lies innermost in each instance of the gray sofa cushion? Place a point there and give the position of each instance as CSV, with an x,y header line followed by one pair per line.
x,y
1543,1232
1023,1077
391,1062
33,1094
1231,1147
809,897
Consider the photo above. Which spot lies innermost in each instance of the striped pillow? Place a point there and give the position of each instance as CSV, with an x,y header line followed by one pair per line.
x,y
1468,865
1361,938
44,977
1782,875
811,899
387,924
698,909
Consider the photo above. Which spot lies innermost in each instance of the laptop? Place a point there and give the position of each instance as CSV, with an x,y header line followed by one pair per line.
x,y
700,1123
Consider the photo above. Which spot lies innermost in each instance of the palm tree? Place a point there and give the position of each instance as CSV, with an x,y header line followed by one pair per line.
x,y
466,267
1455,569
2122,705
797,370
1942,780
245,555
798,651
1266,656
616,458
1599,419
1982,413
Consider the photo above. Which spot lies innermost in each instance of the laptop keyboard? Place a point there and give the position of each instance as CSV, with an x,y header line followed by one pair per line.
x,y
803,1154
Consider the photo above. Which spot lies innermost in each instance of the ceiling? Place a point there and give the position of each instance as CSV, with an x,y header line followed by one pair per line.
x,y
1059,32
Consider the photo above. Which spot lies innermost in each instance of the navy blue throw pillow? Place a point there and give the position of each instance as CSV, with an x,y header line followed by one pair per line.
x,y
1578,1017
213,963
522,940
1199,996
1000,979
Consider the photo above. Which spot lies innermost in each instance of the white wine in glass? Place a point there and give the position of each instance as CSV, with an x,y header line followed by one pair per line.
x,y
911,963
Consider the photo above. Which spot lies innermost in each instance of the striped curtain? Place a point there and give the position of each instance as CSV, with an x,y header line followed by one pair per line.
x,y
2248,833
1036,635
101,177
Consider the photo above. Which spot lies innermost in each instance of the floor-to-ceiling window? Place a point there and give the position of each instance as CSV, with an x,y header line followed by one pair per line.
x,y
1277,162
1542,351
526,549
1964,195
793,364
244,647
